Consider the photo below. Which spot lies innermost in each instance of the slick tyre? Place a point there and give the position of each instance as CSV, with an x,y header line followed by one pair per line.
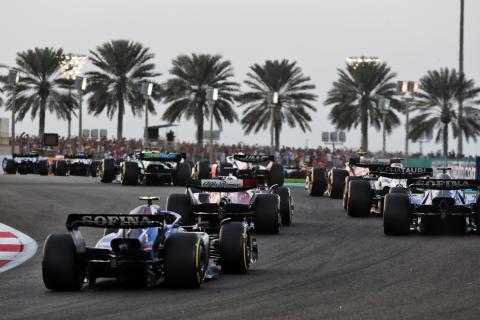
x,y
346,190
106,170
359,198
398,190
10,167
276,175
93,170
186,260
181,174
336,183
285,205
267,208
318,182
203,169
396,214
43,167
234,239
61,168
129,174
61,269
180,203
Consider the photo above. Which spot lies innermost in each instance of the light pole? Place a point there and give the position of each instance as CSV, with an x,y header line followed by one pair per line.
x,y
212,96
407,90
146,91
13,79
81,86
384,104
272,100
70,65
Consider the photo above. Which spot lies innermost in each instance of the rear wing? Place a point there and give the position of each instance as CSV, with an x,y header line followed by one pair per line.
x,y
121,221
444,184
401,173
370,163
29,155
253,158
77,156
220,185
165,157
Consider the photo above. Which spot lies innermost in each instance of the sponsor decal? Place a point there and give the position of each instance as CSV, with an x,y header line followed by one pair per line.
x,y
405,170
221,184
131,220
252,157
166,156
447,184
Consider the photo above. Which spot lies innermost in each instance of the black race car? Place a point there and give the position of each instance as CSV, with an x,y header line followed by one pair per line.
x,y
30,163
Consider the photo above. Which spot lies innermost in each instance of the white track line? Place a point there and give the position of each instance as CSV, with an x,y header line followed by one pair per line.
x,y
29,248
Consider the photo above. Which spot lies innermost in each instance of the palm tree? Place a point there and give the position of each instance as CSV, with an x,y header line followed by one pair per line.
x,y
436,102
123,65
39,88
355,96
186,91
294,98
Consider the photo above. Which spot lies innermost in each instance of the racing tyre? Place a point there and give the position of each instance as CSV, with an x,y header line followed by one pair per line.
x,y
61,168
276,175
267,207
346,190
234,239
181,174
106,170
43,167
129,175
203,169
396,215
359,198
285,205
61,270
10,167
180,203
336,184
186,260
223,169
318,182
94,168
398,190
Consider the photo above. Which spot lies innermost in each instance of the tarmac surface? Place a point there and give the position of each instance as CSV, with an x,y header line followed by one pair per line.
x,y
325,266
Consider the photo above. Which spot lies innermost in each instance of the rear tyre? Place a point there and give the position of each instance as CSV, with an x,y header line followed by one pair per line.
x,y
106,170
359,198
61,270
94,168
285,205
277,175
396,214
61,168
234,239
182,174
129,175
186,260
43,167
398,190
10,167
336,183
346,190
318,182
181,203
203,169
266,213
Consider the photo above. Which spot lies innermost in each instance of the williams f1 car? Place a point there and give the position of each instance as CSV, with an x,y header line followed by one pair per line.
x,y
78,164
147,167
142,248
27,164
428,204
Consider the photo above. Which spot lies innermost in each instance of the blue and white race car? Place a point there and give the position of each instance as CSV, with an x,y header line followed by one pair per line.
x,y
140,249
429,203
30,163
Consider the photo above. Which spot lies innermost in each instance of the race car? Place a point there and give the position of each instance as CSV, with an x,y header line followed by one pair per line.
x,y
30,163
366,194
213,201
142,248
78,164
147,167
261,167
427,205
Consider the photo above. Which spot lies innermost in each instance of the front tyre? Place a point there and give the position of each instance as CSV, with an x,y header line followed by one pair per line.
x,y
182,204
129,175
181,174
318,182
277,175
336,183
396,214
359,198
267,208
285,205
234,239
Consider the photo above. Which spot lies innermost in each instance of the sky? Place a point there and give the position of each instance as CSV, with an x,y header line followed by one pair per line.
x,y
412,36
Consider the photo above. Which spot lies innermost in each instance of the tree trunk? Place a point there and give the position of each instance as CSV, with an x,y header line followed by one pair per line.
x,y
277,138
200,120
121,110
41,117
460,69
364,127
445,139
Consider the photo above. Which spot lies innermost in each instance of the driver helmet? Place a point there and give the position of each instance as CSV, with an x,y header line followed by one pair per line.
x,y
396,165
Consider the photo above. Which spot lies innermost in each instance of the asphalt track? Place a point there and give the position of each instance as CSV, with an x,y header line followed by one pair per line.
x,y
325,266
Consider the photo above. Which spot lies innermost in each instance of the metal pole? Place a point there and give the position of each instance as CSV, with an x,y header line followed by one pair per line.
x,y
13,122
384,134
69,112
211,131
80,101
460,69
145,134
407,124
272,129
